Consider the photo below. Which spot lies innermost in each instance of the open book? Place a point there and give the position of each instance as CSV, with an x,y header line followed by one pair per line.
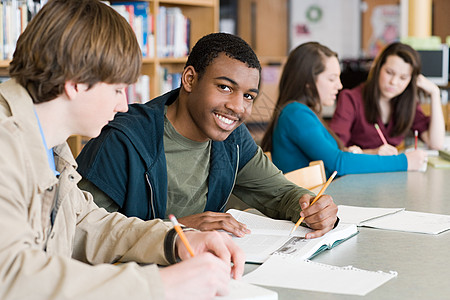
x,y
397,219
270,236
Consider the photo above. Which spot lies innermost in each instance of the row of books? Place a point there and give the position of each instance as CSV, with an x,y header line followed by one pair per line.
x,y
140,91
14,17
168,80
173,32
173,28
141,20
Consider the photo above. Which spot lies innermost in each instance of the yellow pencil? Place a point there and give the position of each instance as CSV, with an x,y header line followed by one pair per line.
x,y
315,199
180,232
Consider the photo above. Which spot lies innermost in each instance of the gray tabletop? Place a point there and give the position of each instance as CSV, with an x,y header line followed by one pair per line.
x,y
421,260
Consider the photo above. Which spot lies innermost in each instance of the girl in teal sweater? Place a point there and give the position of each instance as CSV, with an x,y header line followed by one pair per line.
x,y
297,133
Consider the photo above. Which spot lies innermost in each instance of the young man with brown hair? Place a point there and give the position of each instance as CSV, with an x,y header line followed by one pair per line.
x,y
69,73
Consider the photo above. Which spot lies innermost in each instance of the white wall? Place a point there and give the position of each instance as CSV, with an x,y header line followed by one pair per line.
x,y
333,23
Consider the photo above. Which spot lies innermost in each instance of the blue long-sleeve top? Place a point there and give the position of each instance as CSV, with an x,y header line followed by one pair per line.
x,y
299,137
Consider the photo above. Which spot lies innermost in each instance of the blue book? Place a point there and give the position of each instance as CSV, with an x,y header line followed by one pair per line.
x,y
140,21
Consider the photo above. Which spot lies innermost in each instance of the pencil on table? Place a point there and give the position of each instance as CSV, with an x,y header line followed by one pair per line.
x,y
315,199
181,234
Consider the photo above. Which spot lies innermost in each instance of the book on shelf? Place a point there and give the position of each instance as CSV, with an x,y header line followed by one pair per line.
x,y
139,92
173,32
14,19
269,236
138,15
168,81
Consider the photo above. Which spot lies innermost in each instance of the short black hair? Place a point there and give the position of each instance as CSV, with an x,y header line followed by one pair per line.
x,y
210,46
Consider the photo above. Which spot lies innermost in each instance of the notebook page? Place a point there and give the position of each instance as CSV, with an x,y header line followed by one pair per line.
x,y
357,214
264,225
281,271
240,290
411,221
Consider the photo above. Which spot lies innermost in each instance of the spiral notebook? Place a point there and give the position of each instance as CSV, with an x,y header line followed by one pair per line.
x,y
397,219
283,271
240,290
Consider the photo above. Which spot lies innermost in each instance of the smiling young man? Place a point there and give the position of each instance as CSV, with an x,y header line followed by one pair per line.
x,y
186,152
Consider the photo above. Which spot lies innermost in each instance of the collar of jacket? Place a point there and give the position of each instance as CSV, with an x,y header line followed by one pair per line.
x,y
22,114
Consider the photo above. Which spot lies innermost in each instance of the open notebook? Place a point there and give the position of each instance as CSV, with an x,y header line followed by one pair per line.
x,y
269,236
397,219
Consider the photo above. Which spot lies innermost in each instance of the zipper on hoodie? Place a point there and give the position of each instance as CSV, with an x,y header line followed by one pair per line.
x,y
234,180
151,196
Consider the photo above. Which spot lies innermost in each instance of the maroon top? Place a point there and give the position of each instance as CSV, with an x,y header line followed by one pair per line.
x,y
350,124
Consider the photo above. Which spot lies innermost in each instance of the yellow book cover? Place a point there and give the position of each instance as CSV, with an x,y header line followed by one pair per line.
x,y
439,162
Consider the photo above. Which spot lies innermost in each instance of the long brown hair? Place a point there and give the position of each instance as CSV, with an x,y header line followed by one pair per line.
x,y
403,106
298,84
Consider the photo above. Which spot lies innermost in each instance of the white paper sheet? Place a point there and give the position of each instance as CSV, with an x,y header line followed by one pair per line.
x,y
240,290
291,273
394,219
358,214
411,221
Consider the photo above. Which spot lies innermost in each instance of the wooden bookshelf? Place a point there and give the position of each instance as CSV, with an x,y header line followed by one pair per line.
x,y
204,19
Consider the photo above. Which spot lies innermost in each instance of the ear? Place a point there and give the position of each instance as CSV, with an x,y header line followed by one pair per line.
x,y
188,78
72,89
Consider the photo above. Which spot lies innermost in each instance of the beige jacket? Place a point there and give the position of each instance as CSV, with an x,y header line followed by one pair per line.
x,y
38,261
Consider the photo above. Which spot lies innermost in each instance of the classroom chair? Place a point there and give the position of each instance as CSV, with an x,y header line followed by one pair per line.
x,y
311,177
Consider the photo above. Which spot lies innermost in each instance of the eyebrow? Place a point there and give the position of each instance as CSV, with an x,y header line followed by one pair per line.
x,y
235,83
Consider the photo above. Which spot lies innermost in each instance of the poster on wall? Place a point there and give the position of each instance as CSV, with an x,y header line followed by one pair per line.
x,y
336,24
385,22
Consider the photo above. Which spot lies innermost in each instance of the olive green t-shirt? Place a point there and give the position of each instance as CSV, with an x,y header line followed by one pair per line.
x,y
187,172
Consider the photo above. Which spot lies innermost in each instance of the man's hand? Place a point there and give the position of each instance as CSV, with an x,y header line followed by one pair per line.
x,y
320,216
208,273
208,221
202,277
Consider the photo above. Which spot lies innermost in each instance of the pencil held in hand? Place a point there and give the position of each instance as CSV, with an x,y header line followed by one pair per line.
x,y
416,136
181,234
380,133
315,199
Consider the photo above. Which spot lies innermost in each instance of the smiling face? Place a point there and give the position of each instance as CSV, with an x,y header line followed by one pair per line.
x,y
219,101
328,82
395,75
